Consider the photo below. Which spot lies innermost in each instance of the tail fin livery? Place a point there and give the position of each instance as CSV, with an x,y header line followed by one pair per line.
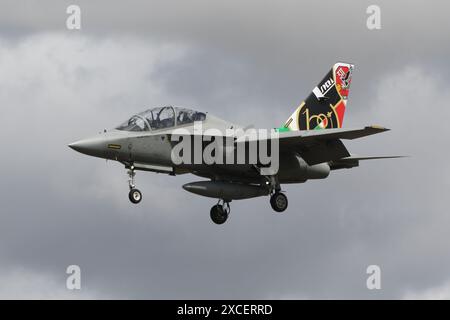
x,y
324,108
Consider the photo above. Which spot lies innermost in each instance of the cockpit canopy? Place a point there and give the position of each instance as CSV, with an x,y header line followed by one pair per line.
x,y
161,118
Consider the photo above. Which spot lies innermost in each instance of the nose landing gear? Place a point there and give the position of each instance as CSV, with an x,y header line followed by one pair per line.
x,y
220,212
134,195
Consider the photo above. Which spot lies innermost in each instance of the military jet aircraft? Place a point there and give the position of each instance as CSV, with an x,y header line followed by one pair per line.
x,y
309,147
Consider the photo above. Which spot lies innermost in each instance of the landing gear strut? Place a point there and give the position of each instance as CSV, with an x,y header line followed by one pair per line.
x,y
278,200
134,195
220,212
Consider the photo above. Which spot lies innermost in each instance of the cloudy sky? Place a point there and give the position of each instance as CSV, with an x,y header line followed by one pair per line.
x,y
250,62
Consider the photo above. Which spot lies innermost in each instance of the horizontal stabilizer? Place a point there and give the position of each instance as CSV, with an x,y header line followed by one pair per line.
x,y
354,157
353,161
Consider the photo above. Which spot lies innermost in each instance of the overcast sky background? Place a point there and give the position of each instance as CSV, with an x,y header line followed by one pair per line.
x,y
250,62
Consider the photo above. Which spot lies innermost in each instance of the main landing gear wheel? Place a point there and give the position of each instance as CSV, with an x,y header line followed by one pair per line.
x,y
135,196
219,213
279,202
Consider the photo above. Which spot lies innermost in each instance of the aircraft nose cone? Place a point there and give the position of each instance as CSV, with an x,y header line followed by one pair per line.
x,y
77,145
93,147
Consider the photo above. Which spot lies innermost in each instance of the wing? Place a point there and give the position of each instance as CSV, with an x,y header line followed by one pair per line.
x,y
317,146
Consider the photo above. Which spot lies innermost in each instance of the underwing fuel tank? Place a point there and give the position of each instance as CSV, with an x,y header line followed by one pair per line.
x,y
226,190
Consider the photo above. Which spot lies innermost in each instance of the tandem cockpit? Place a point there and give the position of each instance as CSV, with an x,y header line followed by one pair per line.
x,y
161,118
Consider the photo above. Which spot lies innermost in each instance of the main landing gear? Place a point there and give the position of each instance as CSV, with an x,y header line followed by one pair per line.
x,y
278,201
134,195
220,212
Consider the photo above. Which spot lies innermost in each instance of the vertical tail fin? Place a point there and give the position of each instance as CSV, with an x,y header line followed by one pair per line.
x,y
324,108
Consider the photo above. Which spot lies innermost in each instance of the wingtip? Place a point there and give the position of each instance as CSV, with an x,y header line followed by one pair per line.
x,y
377,127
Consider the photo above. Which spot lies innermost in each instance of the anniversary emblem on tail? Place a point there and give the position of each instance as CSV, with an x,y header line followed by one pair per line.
x,y
324,108
238,162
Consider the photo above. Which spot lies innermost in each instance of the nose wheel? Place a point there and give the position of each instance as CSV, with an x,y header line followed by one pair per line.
x,y
220,212
134,195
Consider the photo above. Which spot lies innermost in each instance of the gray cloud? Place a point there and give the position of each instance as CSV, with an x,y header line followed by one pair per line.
x,y
248,63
